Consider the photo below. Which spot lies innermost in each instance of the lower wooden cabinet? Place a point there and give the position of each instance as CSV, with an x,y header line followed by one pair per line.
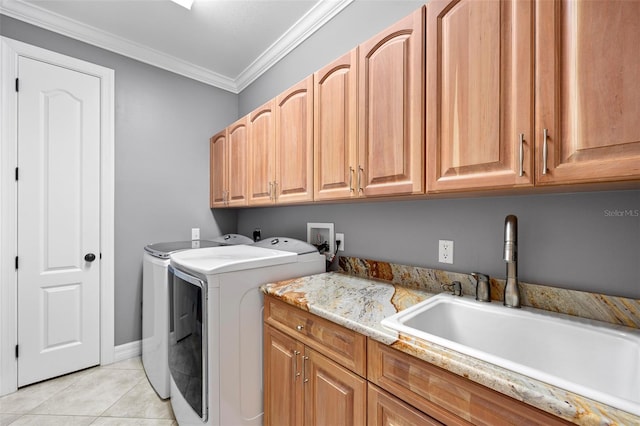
x,y
447,397
314,375
302,386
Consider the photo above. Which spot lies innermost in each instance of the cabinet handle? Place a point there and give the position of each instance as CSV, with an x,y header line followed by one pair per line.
x,y
304,369
270,191
360,170
545,136
351,179
299,327
275,190
521,154
296,373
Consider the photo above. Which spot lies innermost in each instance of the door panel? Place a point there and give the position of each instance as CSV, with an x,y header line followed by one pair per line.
x,y
479,94
237,163
588,97
218,163
261,154
335,128
391,95
58,207
294,143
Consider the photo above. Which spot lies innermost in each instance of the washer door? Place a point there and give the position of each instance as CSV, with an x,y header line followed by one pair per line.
x,y
188,344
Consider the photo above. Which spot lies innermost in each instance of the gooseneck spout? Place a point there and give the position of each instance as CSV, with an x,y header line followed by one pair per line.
x,y
511,291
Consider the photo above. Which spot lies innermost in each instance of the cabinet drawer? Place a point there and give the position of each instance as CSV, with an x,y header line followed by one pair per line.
x,y
340,344
384,409
445,396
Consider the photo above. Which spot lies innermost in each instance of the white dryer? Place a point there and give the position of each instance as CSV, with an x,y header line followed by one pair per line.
x,y
215,352
155,304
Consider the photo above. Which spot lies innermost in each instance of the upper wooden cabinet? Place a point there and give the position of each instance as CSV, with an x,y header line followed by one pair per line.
x,y
218,169
335,128
479,89
587,91
228,163
391,97
293,181
262,139
281,148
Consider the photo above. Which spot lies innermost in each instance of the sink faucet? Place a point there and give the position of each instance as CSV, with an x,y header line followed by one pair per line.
x,y
511,292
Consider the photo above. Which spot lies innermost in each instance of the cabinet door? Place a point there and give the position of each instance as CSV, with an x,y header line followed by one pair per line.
x,y
479,94
261,154
294,143
217,169
391,93
237,163
588,96
283,390
384,409
335,128
333,394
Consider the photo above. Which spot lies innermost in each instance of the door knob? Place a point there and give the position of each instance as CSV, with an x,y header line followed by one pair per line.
x,y
89,257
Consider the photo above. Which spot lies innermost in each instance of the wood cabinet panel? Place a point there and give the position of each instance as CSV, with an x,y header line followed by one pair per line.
x,y
333,394
236,161
294,143
217,169
391,94
479,94
343,345
335,128
587,91
283,391
261,161
445,396
384,409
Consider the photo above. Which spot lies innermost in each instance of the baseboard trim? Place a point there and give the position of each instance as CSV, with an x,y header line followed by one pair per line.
x,y
127,350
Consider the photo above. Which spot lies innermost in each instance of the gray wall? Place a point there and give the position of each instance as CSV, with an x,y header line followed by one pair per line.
x,y
566,240
163,124
358,22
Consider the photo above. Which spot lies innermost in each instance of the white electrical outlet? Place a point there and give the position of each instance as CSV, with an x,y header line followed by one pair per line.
x,y
340,237
195,233
445,251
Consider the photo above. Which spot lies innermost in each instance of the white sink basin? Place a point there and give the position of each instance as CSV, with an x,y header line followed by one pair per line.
x,y
586,357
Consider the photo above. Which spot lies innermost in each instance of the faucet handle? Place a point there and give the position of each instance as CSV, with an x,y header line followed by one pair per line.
x,y
455,288
483,287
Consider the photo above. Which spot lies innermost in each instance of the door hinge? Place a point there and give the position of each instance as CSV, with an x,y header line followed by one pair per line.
x,y
16,262
16,173
17,84
16,351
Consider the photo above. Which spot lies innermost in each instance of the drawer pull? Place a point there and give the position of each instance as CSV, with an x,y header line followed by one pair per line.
x,y
296,373
299,327
545,152
521,154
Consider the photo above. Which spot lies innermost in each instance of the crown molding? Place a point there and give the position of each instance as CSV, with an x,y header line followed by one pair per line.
x,y
315,18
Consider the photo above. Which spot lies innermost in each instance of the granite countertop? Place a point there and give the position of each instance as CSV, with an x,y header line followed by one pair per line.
x,y
361,303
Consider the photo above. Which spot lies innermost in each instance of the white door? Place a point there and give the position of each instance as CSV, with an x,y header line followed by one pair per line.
x,y
58,220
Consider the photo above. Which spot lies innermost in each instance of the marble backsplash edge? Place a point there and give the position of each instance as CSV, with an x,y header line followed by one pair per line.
x,y
610,309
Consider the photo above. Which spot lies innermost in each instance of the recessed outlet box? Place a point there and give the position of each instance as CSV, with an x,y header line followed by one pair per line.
x,y
445,251
340,237
322,236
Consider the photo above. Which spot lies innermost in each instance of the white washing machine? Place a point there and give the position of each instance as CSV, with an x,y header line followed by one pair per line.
x,y
155,304
215,352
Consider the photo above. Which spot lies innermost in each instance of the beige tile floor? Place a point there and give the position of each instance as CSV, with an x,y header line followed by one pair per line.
x,y
114,395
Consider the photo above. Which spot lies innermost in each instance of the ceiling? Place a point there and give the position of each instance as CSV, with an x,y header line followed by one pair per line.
x,y
224,43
